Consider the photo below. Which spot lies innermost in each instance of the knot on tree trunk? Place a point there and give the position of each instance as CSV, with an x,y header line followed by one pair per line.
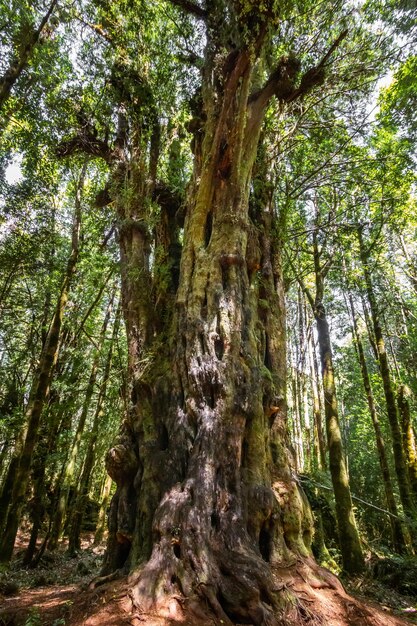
x,y
121,460
121,463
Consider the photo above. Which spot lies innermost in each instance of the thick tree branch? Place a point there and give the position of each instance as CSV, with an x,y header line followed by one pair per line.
x,y
190,7
316,75
281,82
97,29
86,143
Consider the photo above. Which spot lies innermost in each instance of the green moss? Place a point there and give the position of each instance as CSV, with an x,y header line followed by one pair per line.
x,y
266,374
278,453
263,304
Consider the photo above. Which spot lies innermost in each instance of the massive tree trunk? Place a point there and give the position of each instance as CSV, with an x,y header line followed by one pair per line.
x,y
203,454
206,502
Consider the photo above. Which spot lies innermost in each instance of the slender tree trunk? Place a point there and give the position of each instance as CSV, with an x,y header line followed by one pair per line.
x,y
46,444
57,419
409,438
39,394
344,428
392,357
9,405
397,443
304,420
398,539
8,482
67,475
307,423
298,457
51,253
369,328
10,474
80,502
40,391
303,378
104,503
299,425
37,504
352,556
318,425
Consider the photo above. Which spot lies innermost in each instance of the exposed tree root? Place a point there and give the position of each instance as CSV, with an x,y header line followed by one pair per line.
x,y
303,594
102,580
242,589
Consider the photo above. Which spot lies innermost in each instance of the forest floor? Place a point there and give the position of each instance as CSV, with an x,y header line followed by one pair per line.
x,y
57,593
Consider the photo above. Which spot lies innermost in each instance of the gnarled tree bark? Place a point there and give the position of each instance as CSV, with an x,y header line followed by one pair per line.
x,y
206,502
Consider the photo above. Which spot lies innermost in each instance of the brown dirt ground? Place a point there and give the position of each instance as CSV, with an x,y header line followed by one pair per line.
x,y
62,598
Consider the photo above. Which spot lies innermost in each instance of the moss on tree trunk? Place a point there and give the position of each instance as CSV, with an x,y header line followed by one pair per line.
x,y
392,411
409,438
205,501
398,539
352,556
